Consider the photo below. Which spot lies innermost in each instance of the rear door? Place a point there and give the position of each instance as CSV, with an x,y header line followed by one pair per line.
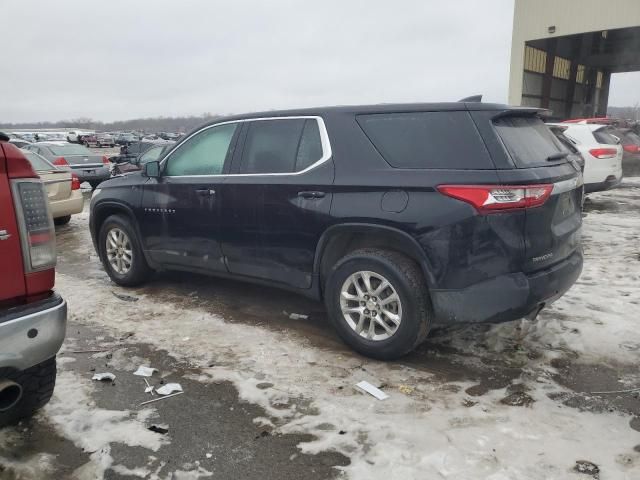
x,y
552,230
276,203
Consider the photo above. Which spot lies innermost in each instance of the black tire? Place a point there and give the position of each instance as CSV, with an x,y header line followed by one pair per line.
x,y
139,271
37,385
406,278
94,185
62,220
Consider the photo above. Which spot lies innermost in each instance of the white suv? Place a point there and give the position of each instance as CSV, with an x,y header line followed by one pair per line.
x,y
601,151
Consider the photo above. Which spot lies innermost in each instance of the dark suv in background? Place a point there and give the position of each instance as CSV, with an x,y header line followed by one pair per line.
x,y
400,217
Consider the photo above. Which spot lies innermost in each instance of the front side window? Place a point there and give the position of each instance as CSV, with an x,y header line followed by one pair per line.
x,y
281,146
202,154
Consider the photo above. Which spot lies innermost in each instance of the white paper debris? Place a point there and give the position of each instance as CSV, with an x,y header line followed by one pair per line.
x,y
169,388
376,392
145,371
298,316
103,376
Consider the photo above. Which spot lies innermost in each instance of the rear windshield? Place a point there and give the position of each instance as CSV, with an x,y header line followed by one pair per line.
x,y
635,139
437,140
69,149
528,140
38,163
605,137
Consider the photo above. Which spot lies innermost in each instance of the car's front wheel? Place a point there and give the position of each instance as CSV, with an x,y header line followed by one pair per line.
x,y
379,303
62,220
121,252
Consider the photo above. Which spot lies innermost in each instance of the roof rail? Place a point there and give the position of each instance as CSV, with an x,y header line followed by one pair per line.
x,y
472,98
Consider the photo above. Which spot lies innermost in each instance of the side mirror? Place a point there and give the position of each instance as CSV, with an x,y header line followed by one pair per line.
x,y
151,169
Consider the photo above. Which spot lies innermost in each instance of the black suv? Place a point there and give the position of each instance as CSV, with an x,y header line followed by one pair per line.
x,y
400,217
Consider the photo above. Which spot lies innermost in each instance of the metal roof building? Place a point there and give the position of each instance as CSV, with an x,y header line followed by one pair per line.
x,y
563,53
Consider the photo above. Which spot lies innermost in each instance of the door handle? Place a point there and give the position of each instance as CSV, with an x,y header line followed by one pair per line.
x,y
4,235
206,192
311,194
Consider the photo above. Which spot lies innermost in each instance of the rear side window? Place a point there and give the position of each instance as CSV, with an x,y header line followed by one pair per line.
x,y
281,146
604,137
528,140
438,140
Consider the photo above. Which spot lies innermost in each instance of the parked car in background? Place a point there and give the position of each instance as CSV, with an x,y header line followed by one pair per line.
x,y
75,136
19,142
135,149
400,217
63,188
88,166
601,151
98,140
126,138
32,317
125,164
630,142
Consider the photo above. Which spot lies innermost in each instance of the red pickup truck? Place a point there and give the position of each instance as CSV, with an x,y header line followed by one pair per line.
x,y
32,317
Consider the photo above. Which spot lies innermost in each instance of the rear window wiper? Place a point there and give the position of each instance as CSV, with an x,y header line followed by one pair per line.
x,y
557,156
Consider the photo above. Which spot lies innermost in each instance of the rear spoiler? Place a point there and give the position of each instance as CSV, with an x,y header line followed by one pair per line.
x,y
522,112
471,99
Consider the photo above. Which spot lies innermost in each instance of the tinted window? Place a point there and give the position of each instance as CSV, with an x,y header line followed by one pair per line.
x,y
310,148
38,163
604,137
202,154
69,150
528,140
427,140
272,146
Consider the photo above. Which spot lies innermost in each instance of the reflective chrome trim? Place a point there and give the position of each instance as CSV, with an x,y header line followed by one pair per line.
x,y
567,185
324,139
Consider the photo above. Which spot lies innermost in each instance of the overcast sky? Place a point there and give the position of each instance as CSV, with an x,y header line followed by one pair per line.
x,y
120,59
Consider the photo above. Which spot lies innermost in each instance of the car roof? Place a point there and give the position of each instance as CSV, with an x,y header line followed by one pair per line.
x,y
374,108
54,143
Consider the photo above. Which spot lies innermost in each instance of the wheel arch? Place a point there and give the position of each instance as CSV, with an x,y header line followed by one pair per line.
x,y
104,210
339,240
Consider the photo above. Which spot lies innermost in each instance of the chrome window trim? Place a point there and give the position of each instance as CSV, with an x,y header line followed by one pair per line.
x,y
324,140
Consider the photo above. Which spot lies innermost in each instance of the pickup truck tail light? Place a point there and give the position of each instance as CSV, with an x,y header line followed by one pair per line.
x,y
37,232
106,161
604,152
61,162
75,182
498,198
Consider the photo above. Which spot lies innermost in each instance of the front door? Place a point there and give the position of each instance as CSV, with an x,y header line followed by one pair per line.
x,y
180,210
276,202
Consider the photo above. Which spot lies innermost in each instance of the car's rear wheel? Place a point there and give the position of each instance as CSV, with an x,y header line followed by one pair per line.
x,y
379,303
62,220
121,252
24,392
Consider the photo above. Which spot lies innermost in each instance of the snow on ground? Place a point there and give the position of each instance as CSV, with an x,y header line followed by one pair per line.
x,y
428,428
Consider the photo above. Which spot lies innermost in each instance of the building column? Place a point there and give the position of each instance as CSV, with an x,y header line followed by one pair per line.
x,y
603,99
548,73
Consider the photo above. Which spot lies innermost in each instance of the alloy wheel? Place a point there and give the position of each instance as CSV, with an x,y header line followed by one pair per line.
x,y
370,305
119,251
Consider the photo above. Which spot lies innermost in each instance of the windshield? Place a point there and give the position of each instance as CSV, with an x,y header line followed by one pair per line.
x,y
70,149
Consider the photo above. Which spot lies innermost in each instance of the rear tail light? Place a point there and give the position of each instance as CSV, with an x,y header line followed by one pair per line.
x,y
632,148
494,198
60,162
604,152
36,226
105,160
75,182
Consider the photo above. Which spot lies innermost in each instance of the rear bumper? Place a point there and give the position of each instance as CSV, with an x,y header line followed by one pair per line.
x,y
99,174
33,333
68,206
507,297
610,182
